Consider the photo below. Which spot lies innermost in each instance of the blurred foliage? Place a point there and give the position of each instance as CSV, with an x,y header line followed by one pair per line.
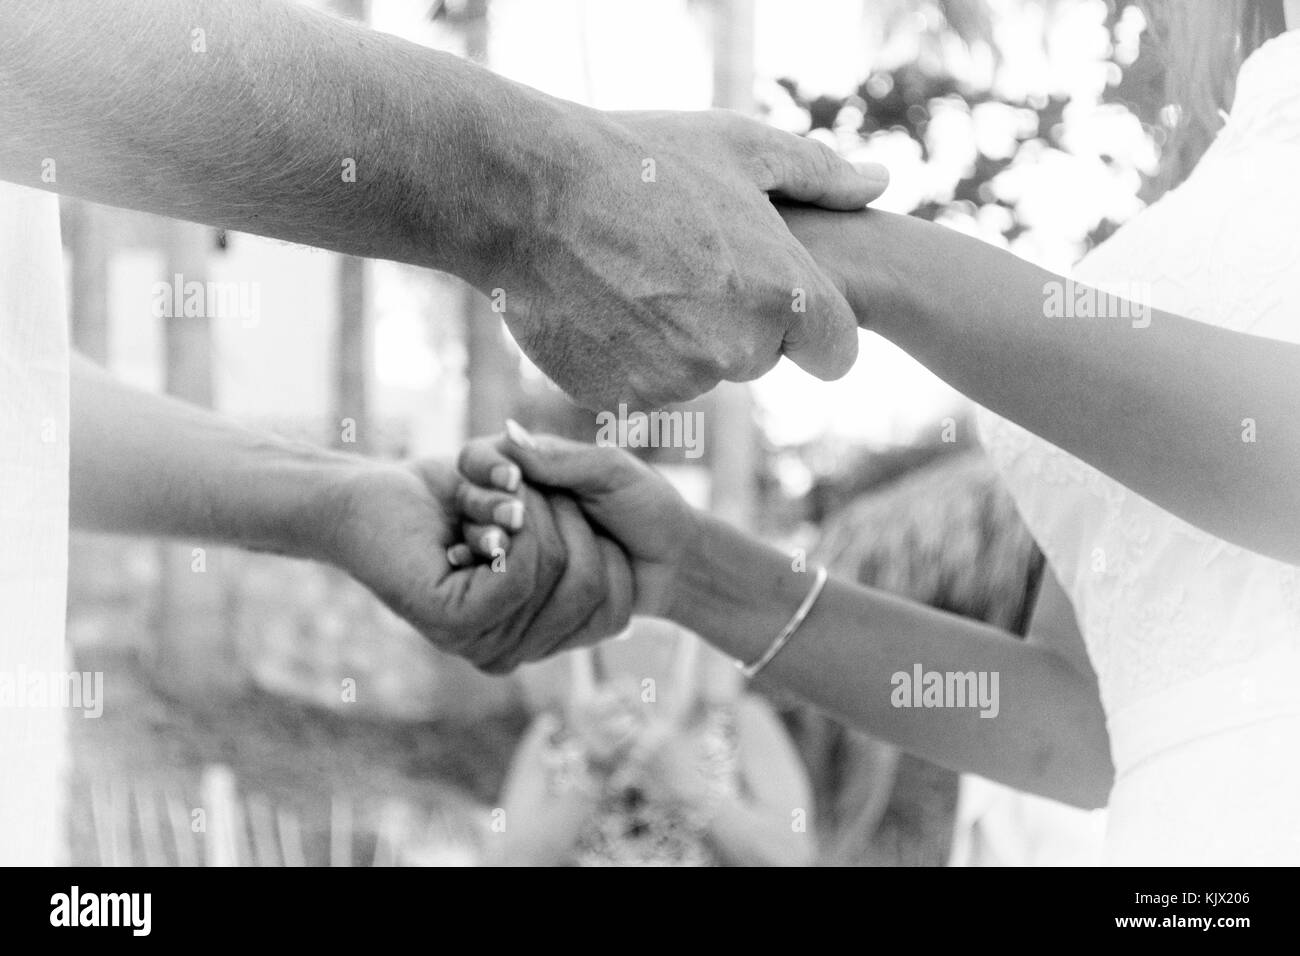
x,y
913,98
904,99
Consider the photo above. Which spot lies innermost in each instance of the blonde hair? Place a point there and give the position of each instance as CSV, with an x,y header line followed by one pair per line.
x,y
1202,44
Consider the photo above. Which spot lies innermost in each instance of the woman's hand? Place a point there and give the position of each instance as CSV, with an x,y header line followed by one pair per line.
x,y
624,499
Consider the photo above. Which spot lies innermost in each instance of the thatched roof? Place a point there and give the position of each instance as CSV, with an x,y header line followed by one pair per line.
x,y
947,535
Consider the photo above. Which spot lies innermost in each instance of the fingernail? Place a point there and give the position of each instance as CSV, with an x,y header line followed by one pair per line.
x,y
506,477
876,173
459,555
519,435
509,514
492,541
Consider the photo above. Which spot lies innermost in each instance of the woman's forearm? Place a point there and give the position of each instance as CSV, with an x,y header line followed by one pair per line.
x,y
860,652
1196,418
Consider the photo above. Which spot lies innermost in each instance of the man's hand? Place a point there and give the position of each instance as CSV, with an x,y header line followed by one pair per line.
x,y
559,584
654,264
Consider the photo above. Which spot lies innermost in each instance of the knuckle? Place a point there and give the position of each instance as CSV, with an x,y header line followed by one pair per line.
x,y
465,459
763,364
822,160
748,357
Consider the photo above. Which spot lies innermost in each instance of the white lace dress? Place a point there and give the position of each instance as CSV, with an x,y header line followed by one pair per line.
x,y
1196,643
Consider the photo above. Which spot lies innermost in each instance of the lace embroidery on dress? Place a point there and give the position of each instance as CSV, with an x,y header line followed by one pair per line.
x,y
1160,601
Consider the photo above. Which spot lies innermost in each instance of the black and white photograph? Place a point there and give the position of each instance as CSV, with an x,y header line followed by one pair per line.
x,y
651,433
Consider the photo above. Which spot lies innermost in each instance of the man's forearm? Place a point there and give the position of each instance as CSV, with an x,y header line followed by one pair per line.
x,y
275,120
148,464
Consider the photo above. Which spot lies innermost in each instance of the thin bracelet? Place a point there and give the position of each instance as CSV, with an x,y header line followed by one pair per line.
x,y
787,632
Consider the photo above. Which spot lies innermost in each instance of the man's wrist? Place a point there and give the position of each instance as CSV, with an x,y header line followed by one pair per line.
x,y
523,153
299,500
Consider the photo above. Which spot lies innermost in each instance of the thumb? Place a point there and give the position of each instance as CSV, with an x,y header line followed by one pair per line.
x,y
585,470
807,170
821,336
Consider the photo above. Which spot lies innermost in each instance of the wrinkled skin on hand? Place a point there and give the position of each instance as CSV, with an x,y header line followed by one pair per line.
x,y
659,266
556,584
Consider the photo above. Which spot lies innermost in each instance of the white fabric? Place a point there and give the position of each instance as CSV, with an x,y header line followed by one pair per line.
x,y
33,524
996,825
1196,642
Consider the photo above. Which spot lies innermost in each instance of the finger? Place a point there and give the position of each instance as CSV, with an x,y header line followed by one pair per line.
x,y
579,594
502,650
471,604
807,170
490,507
484,541
559,463
482,463
821,336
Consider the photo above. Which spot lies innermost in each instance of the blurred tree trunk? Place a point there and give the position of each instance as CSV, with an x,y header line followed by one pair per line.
x,y
352,428
352,425
89,226
491,365
195,655
733,437
187,340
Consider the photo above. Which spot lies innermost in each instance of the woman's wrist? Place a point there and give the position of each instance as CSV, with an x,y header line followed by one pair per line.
x,y
887,291
734,591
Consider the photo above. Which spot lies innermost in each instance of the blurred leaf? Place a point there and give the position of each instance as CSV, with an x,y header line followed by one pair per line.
x,y
972,20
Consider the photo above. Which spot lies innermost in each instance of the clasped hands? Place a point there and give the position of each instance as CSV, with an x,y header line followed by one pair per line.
x,y
531,546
